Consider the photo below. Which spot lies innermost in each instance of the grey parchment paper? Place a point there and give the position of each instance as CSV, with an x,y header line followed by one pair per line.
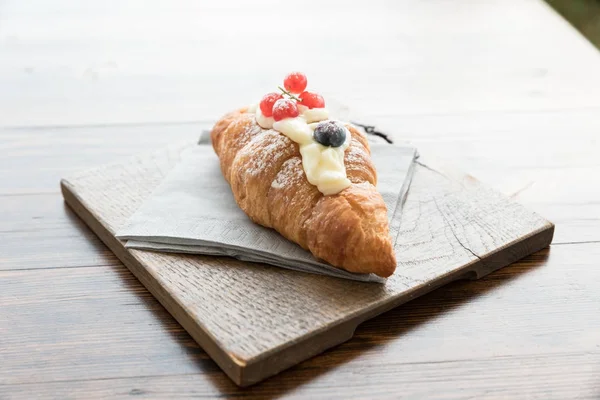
x,y
193,211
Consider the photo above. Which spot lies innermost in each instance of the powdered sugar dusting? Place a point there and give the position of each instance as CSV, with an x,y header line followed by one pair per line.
x,y
249,132
291,173
277,185
355,154
364,184
286,108
272,148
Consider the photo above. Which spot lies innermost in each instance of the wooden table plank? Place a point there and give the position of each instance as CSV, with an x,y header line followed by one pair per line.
x,y
500,378
529,328
70,63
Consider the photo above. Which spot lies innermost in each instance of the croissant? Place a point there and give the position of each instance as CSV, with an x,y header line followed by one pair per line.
x,y
311,179
349,230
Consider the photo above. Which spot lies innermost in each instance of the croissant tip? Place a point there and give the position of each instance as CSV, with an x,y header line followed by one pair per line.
x,y
387,271
385,268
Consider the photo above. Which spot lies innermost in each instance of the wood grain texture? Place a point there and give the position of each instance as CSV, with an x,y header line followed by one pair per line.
x,y
85,63
527,330
257,320
504,89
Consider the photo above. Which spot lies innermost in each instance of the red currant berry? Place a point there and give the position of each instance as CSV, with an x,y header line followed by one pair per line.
x,y
311,100
295,82
284,108
266,104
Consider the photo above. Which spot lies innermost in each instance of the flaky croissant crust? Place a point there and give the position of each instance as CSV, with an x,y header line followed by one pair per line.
x,y
348,230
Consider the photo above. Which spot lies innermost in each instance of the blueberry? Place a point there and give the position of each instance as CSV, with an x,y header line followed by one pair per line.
x,y
330,133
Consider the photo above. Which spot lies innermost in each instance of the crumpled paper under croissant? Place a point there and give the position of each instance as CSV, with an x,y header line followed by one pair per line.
x,y
193,211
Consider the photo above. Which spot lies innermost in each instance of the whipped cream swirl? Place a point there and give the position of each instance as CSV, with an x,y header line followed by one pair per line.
x,y
323,165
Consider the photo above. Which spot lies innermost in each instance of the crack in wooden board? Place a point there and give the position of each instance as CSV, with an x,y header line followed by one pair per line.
x,y
256,320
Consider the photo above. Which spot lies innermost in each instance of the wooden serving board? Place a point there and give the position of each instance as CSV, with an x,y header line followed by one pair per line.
x,y
255,320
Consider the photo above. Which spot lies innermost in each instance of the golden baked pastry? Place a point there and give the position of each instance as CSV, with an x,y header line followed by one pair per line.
x,y
268,174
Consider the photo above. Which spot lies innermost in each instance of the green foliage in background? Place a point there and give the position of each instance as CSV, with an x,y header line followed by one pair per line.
x,y
583,15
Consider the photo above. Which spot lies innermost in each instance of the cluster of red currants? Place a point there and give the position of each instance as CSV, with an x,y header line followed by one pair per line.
x,y
279,107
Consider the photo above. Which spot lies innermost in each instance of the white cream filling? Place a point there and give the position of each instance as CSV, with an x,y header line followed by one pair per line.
x,y
313,114
323,165
264,122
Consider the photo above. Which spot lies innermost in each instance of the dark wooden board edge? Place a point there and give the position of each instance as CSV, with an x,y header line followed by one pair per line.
x,y
309,346
230,365
245,373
